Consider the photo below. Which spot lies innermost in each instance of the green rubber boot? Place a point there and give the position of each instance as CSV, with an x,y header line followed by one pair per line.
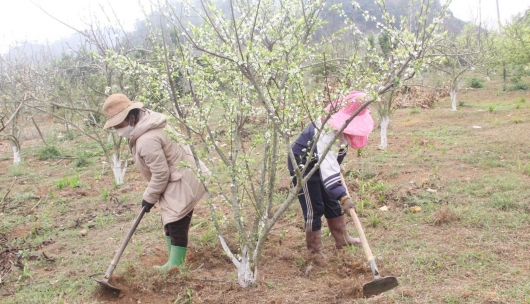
x,y
176,258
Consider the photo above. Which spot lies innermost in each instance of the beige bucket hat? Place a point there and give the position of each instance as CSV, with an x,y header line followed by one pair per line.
x,y
116,108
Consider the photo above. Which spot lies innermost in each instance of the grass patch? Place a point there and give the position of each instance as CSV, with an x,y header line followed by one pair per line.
x,y
72,182
17,170
49,152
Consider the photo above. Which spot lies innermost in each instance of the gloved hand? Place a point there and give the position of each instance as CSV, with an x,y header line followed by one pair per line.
x,y
347,204
147,206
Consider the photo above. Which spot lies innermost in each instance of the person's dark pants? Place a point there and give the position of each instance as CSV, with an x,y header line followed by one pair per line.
x,y
178,231
316,202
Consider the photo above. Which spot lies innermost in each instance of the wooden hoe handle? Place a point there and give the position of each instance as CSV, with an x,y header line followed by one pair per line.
x,y
117,256
359,227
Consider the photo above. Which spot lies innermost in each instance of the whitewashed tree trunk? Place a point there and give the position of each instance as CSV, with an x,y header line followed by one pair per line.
x,y
16,153
385,121
452,93
118,169
245,276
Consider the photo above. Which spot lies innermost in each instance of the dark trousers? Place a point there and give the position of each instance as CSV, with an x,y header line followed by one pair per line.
x,y
316,202
178,231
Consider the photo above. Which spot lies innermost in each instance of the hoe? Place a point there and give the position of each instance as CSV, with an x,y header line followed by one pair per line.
x,y
105,280
379,284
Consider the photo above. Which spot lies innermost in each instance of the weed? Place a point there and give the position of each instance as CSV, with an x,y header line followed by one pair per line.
x,y
515,79
362,205
73,182
61,183
519,87
81,160
23,253
415,110
461,103
291,215
517,120
189,293
23,197
491,109
503,202
301,262
352,248
435,170
68,136
526,169
381,197
49,152
25,273
476,83
374,219
209,236
105,194
17,170
453,299
139,249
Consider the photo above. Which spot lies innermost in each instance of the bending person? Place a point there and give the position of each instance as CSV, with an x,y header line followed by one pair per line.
x,y
324,192
175,188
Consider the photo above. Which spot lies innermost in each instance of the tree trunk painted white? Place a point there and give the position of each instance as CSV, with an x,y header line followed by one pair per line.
x,y
452,93
245,276
385,121
118,169
16,153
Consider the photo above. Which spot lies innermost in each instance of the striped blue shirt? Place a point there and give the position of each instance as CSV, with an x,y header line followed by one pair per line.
x,y
330,167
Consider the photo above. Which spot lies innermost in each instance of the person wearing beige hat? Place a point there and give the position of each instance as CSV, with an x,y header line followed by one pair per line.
x,y
175,188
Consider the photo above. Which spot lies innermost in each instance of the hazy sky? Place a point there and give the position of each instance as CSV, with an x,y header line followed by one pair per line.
x,y
468,10
20,20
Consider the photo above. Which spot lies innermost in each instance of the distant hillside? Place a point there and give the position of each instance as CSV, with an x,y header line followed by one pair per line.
x,y
52,49
394,7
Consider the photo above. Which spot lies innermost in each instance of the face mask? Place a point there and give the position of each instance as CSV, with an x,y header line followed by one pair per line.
x,y
125,132
356,142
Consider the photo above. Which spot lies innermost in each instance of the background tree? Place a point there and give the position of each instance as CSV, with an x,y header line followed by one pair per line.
x,y
381,62
460,54
84,78
516,41
16,86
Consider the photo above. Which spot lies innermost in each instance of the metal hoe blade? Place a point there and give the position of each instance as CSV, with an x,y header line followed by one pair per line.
x,y
105,283
379,285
